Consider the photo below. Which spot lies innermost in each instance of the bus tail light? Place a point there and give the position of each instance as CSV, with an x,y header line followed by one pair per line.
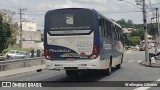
x,y
95,53
46,53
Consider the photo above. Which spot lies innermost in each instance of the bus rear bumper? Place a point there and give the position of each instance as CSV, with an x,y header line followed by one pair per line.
x,y
72,65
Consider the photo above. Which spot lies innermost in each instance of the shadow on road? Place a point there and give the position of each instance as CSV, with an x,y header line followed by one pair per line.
x,y
82,76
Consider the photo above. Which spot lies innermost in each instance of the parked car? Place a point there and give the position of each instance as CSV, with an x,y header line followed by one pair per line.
x,y
21,55
142,48
11,54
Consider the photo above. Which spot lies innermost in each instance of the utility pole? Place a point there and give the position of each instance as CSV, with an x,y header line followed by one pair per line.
x,y
146,33
156,42
151,20
158,33
21,40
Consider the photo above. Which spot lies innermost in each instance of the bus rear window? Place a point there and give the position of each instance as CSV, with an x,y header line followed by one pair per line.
x,y
70,22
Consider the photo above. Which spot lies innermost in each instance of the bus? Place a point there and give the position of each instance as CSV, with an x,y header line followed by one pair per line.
x,y
81,39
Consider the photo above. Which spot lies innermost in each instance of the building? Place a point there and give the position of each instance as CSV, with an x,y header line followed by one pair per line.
x,y
31,37
128,30
28,26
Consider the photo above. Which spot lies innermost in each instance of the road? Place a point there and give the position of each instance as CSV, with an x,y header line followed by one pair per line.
x,y
131,71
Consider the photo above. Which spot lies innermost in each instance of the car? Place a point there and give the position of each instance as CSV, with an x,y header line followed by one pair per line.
x,y
11,54
21,55
142,48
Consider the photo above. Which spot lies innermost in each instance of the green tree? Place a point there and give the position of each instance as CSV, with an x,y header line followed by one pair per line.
x,y
122,22
5,34
152,29
135,40
139,33
132,41
130,23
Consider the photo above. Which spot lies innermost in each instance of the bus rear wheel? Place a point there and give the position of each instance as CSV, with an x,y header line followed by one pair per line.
x,y
108,71
71,73
119,65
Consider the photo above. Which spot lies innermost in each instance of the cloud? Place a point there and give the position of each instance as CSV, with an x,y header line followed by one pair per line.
x,y
106,7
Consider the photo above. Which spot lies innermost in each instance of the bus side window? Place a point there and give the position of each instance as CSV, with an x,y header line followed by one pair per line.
x,y
104,30
113,32
109,30
116,32
100,27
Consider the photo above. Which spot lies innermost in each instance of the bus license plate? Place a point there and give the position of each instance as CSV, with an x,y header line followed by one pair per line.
x,y
70,59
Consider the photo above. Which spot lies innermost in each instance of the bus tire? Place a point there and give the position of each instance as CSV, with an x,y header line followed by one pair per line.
x,y
39,70
119,65
71,73
108,71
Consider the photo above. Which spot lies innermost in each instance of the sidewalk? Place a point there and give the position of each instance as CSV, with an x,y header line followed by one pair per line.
x,y
20,70
156,65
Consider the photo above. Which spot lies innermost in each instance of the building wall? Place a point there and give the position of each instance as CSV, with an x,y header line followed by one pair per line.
x,y
29,36
28,26
128,30
32,44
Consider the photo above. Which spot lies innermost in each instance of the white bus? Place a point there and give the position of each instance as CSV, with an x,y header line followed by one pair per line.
x,y
80,39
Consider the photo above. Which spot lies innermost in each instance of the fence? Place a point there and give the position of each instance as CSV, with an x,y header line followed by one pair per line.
x,y
20,63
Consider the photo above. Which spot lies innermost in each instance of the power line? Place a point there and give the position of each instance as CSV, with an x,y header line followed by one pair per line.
x,y
124,12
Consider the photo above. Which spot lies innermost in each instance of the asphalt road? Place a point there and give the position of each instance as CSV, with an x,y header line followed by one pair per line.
x,y
131,71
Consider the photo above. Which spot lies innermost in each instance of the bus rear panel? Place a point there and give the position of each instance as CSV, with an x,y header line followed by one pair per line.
x,y
69,40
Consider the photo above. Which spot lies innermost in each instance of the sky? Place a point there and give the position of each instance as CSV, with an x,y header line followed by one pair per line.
x,y
112,9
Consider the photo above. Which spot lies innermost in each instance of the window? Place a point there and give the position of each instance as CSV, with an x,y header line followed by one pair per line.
x,y
108,29
101,27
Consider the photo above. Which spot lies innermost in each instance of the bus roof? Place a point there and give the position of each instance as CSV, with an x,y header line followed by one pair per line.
x,y
90,10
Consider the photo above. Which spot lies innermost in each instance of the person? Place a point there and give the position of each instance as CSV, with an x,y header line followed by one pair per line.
x,y
8,57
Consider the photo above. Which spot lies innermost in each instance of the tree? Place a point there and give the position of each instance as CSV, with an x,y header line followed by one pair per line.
x,y
130,23
135,40
132,41
152,29
139,33
5,33
122,22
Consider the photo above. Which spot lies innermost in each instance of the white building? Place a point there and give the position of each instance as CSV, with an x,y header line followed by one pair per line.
x,y
128,30
30,35
28,26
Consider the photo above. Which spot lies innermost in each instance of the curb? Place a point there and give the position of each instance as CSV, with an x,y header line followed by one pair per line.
x,y
21,71
147,64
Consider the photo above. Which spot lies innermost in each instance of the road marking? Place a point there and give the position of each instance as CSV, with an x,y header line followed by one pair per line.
x,y
135,61
130,60
127,52
139,61
144,88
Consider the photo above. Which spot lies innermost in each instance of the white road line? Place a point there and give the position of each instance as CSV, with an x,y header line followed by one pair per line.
x,y
144,88
133,61
130,60
139,61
